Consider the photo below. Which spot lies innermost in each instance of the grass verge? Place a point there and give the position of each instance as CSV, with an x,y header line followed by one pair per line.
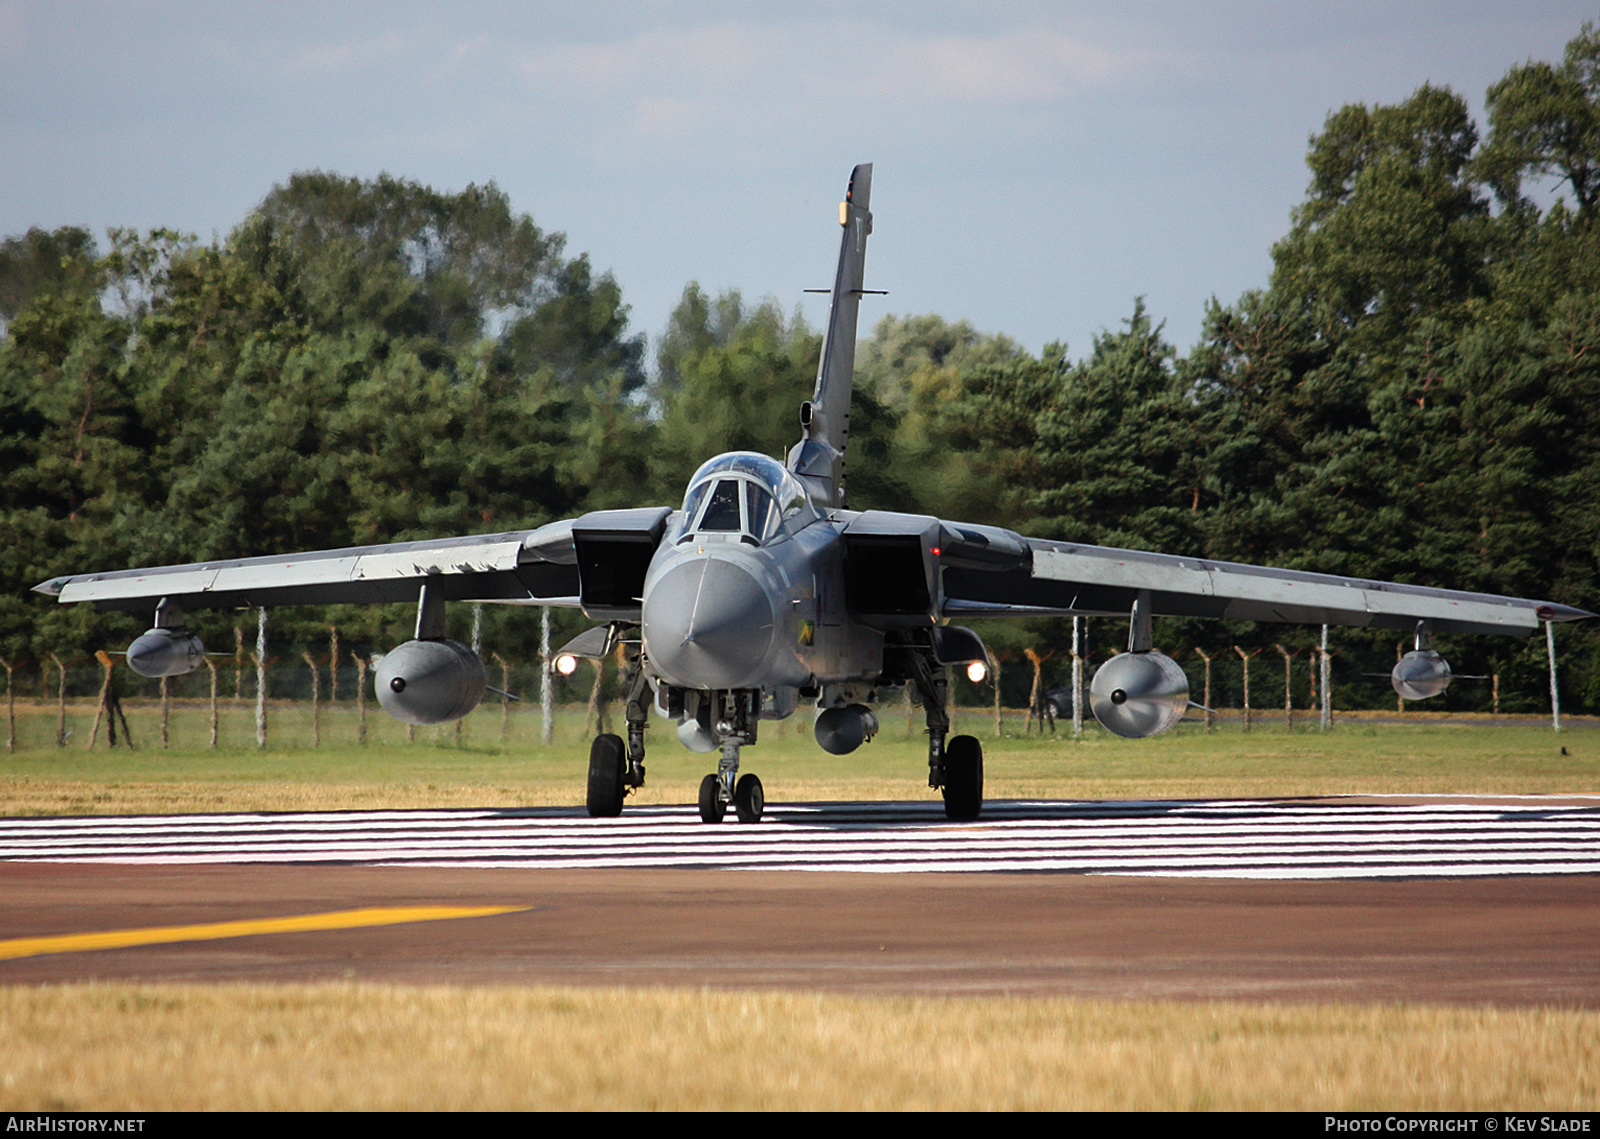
x,y
350,1046
475,767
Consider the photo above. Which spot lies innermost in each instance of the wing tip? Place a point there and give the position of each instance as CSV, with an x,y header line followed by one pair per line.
x,y
53,587
1550,611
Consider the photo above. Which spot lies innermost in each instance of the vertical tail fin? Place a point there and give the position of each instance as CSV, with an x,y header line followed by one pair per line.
x,y
818,459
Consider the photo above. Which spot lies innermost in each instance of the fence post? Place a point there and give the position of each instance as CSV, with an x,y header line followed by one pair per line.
x,y
1077,684
1244,656
1327,695
994,669
1288,692
594,695
362,664
1037,704
100,709
546,694
505,697
1205,656
261,677
212,666
1555,692
11,708
61,701
316,701
333,665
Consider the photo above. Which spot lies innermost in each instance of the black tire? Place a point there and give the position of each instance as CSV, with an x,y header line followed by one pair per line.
x,y
963,778
607,764
748,799
712,808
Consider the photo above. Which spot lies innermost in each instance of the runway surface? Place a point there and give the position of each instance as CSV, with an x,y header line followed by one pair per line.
x,y
1271,839
1455,900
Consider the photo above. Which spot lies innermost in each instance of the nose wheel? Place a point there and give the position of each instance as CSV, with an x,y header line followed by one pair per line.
x,y
712,805
748,799
726,785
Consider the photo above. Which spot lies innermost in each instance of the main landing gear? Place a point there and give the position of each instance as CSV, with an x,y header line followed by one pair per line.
x,y
615,769
956,767
963,778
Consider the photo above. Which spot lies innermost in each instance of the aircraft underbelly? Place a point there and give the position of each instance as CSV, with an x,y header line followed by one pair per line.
x,y
844,652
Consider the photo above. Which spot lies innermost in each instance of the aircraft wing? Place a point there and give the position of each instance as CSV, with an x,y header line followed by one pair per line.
x,y
986,571
538,567
1045,577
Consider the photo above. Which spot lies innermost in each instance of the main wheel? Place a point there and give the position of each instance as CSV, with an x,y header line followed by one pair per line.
x,y
712,807
963,778
748,799
607,763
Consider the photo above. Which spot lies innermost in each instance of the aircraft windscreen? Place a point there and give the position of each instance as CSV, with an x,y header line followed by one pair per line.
x,y
744,493
760,510
722,512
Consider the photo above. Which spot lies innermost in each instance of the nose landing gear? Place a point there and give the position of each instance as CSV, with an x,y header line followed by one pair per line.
x,y
749,800
739,713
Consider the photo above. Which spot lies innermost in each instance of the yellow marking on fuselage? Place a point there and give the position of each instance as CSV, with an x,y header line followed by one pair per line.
x,y
250,927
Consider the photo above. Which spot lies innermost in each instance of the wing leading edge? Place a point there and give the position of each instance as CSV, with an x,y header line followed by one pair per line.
x,y
535,567
1062,578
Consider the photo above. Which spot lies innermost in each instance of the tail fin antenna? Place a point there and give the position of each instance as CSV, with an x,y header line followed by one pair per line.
x,y
818,459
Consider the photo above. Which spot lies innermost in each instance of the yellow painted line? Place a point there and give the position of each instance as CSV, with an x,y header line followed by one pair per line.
x,y
212,931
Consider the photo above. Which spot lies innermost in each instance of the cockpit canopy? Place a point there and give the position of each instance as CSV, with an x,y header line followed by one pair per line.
x,y
743,494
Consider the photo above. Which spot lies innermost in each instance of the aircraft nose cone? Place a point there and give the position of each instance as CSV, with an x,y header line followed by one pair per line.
x,y
708,623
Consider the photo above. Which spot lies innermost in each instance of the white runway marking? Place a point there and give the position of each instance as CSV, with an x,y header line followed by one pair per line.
x,y
1321,838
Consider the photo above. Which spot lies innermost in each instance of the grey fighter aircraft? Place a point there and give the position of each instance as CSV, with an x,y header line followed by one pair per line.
x,y
762,589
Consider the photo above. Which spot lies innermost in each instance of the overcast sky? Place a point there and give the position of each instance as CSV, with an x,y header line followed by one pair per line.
x,y
1037,165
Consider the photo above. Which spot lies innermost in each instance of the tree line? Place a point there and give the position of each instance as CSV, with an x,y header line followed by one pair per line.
x,y
1413,395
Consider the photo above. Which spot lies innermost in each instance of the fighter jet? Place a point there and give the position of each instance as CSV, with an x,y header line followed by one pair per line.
x,y
762,590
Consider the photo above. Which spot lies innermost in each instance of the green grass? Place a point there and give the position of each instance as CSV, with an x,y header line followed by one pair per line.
x,y
492,760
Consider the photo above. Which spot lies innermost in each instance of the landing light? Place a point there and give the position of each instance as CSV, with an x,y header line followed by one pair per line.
x,y
566,664
977,672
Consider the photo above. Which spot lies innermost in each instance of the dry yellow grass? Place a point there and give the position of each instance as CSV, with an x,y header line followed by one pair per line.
x,y
346,1046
